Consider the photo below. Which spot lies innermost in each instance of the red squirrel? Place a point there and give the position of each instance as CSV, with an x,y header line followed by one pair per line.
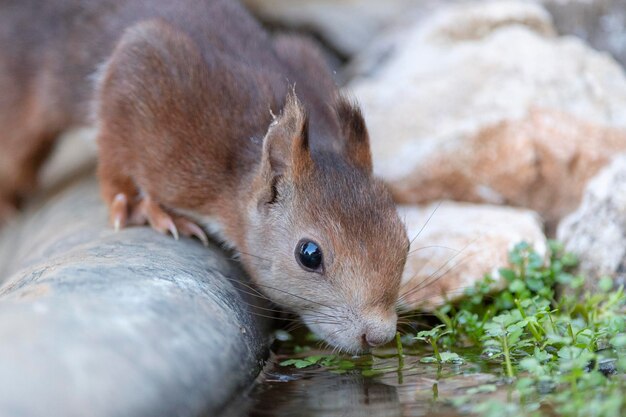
x,y
206,122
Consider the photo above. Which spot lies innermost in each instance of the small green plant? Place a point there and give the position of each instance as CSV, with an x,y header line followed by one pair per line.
x,y
334,362
400,351
552,349
307,361
432,337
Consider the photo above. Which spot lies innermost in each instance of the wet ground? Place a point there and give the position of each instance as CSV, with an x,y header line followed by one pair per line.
x,y
374,385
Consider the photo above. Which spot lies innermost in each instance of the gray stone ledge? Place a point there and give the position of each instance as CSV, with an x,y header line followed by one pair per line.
x,y
99,323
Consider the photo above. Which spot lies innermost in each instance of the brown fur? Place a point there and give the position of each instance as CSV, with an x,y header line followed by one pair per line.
x,y
184,105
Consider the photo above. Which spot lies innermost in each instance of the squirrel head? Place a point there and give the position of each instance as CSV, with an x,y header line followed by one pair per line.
x,y
324,237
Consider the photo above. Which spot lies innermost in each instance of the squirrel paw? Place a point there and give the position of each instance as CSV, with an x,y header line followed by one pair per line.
x,y
122,213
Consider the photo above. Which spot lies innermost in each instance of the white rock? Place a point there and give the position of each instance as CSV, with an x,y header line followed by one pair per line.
x,y
456,244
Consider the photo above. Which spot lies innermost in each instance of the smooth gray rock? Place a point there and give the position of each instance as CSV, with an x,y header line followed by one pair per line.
x,y
98,323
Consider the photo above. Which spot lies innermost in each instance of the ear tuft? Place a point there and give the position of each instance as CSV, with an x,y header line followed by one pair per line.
x,y
286,144
298,118
355,133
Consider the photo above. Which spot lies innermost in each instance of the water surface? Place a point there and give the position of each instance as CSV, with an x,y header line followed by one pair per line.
x,y
417,389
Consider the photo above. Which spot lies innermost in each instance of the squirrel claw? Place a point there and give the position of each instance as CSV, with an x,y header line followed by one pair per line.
x,y
163,223
148,211
119,211
190,229
117,224
172,228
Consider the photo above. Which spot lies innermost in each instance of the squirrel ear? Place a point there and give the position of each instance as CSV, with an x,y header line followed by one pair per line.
x,y
354,131
286,145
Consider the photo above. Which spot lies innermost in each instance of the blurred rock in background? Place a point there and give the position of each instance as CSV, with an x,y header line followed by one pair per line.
x,y
344,26
596,231
349,26
602,23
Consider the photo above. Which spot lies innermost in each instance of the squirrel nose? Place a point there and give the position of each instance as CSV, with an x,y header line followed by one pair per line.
x,y
374,340
379,332
378,337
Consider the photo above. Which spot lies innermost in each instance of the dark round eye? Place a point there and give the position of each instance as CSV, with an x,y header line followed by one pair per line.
x,y
309,255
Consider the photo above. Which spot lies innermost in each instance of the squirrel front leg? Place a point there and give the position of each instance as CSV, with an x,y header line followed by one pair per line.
x,y
135,138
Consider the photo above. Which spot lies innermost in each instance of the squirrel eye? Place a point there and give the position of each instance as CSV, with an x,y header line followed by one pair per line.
x,y
309,255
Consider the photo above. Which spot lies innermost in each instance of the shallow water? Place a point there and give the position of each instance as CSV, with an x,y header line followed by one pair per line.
x,y
417,389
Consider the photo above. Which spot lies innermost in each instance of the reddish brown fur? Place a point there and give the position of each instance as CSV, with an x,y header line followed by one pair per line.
x,y
183,102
